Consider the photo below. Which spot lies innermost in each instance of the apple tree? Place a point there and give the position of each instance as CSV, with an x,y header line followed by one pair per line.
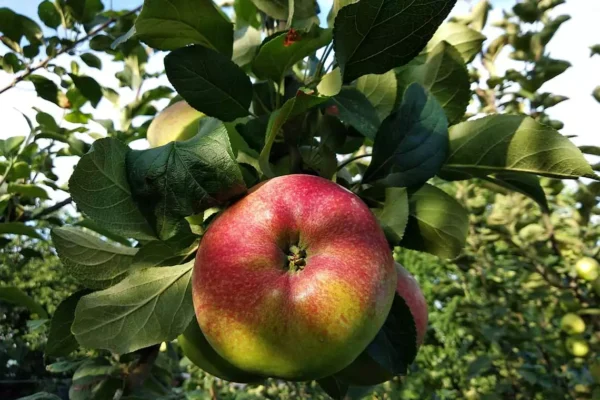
x,y
376,100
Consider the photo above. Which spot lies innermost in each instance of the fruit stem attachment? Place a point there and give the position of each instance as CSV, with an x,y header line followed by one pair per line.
x,y
296,258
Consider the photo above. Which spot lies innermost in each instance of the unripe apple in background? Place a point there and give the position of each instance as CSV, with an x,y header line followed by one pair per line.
x,y
577,346
294,280
365,371
195,347
587,268
177,122
572,324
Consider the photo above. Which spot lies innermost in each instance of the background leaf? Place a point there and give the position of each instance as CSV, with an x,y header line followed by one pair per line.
x,y
61,341
279,9
148,307
467,41
16,296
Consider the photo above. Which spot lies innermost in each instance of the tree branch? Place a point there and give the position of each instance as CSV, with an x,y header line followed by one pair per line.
x,y
29,70
53,208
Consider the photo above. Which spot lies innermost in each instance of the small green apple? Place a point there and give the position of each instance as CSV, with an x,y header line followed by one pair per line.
x,y
572,324
177,122
587,268
577,346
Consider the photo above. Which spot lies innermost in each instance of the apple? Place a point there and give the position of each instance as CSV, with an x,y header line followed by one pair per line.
x,y
294,280
365,371
577,346
587,268
572,324
177,122
195,347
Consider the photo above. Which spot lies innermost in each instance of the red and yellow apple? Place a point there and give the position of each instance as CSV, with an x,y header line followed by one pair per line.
x,y
177,122
365,371
294,280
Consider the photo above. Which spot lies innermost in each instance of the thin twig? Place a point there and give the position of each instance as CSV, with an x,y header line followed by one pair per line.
x,y
348,161
53,208
29,70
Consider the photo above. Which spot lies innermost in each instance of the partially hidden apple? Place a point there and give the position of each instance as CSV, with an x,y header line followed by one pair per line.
x,y
572,324
195,347
294,280
365,371
177,122
587,268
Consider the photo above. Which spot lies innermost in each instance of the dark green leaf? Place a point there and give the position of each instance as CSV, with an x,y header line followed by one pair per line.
x,y
374,36
94,262
478,366
88,87
279,9
393,217
158,253
49,14
45,88
84,10
91,60
412,143
336,389
593,150
275,57
353,108
16,296
467,41
527,184
437,224
28,190
444,74
513,143
171,24
19,228
101,43
91,225
180,179
292,108
40,396
596,94
595,50
209,82
16,26
148,307
61,341
100,189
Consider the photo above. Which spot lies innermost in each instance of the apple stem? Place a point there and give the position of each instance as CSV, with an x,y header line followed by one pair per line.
x,y
296,259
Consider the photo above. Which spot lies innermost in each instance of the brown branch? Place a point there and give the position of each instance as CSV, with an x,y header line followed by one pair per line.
x,y
29,70
53,208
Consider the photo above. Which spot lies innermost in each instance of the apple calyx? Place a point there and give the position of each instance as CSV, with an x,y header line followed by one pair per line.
x,y
296,258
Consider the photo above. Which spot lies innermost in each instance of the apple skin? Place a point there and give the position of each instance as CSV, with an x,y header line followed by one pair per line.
x,y
577,346
365,371
587,268
267,319
177,122
195,347
572,324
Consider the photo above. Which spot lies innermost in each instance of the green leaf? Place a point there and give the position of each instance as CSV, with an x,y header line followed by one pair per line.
x,y
19,228
100,189
595,50
16,26
45,88
353,107
95,379
49,14
513,143
279,9
171,24
247,41
91,60
292,108
84,11
374,36
40,396
275,57
28,190
10,146
596,94
412,143
393,217
592,150
246,14
381,90
94,262
149,306
445,76
438,224
479,366
526,184
61,341
14,295
91,225
209,82
63,366
331,83
180,179
158,253
467,41
88,87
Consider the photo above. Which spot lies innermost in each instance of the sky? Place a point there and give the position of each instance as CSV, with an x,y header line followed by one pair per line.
x,y
581,114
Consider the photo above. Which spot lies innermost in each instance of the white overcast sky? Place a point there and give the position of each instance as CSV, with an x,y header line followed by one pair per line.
x,y
581,114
